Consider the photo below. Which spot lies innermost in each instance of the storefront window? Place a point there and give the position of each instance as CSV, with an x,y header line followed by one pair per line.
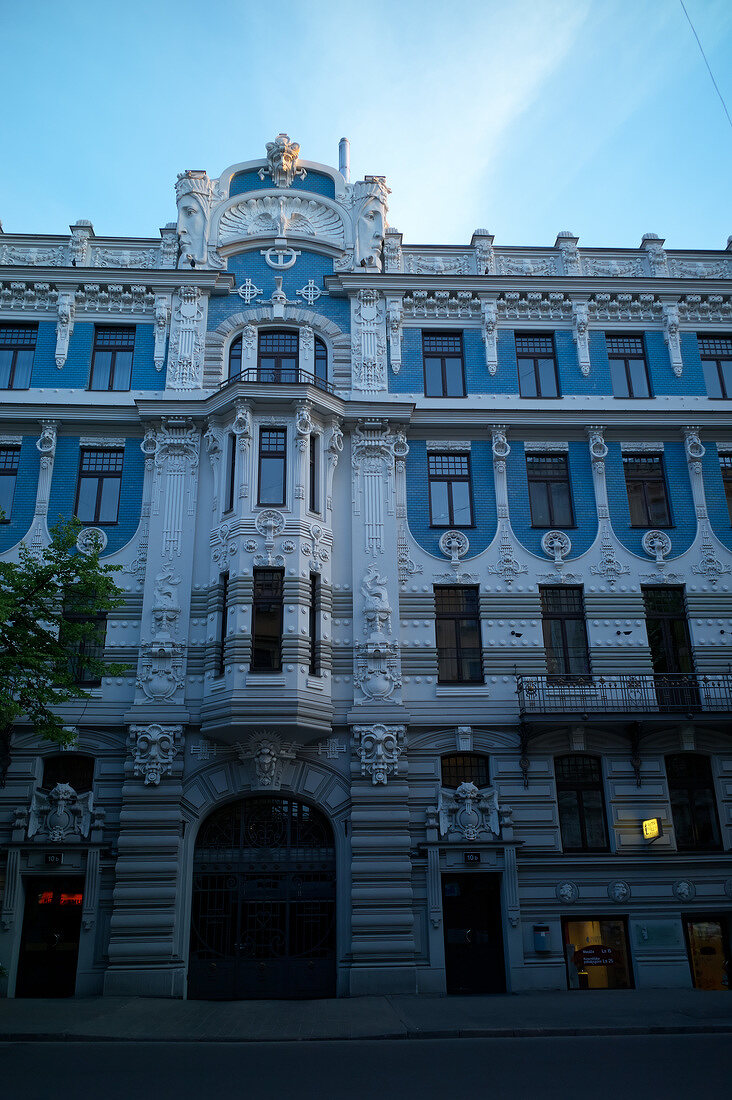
x,y
596,952
709,952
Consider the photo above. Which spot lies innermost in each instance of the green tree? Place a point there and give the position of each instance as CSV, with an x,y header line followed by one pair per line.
x,y
41,651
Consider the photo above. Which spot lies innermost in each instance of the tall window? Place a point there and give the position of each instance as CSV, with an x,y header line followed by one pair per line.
x,y
314,624
272,465
550,497
450,503
565,633
725,465
581,803
278,357
9,459
314,472
457,627
537,365
112,358
668,629
646,487
83,634
444,371
321,360
235,357
267,620
17,348
693,805
716,357
628,371
230,470
465,767
97,494
223,624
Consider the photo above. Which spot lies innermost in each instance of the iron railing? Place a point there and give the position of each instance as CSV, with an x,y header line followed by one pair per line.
x,y
276,376
647,694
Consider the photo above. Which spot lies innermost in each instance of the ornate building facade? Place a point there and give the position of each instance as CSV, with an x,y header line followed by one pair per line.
x,y
422,678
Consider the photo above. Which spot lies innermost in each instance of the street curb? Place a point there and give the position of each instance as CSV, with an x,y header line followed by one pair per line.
x,y
442,1033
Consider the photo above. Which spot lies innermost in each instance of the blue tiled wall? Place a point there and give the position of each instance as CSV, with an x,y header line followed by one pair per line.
x,y
24,500
484,498
681,501
716,500
315,182
76,371
411,376
63,489
583,499
692,379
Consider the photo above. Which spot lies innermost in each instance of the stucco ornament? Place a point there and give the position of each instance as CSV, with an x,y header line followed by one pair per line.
x,y
91,540
567,892
557,545
268,751
618,891
454,545
684,890
657,545
62,815
376,607
379,748
154,748
469,813
282,157
193,194
370,208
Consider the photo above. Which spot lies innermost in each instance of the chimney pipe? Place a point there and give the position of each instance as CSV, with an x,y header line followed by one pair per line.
x,y
344,159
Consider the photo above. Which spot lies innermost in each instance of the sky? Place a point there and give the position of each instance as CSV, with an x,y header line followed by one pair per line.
x,y
525,117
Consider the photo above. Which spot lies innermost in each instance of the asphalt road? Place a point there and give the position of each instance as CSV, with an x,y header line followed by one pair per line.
x,y
593,1068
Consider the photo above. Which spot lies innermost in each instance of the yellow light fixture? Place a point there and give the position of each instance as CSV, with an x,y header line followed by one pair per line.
x,y
652,828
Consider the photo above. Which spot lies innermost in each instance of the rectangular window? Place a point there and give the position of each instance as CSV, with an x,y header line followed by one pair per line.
x,y
550,497
9,459
84,645
581,803
112,358
17,348
223,624
716,357
278,357
450,496
314,624
267,620
230,471
646,487
596,952
628,372
272,465
565,634
457,628
444,370
537,365
97,494
725,464
314,473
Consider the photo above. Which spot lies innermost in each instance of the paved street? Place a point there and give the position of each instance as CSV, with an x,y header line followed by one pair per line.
x,y
609,1066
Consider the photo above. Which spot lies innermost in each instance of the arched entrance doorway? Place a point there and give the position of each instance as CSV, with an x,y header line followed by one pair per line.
x,y
263,907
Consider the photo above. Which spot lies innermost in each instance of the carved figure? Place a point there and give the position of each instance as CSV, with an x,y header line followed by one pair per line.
x,y
376,608
370,201
282,156
193,194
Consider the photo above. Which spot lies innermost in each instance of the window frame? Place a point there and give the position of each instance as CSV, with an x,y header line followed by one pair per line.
x,y
84,677
265,604
535,456
640,479
460,650
428,334
8,472
535,357
314,474
236,351
7,344
548,616
100,477
60,758
688,787
262,453
449,479
230,472
578,785
725,469
315,667
716,358
223,624
451,762
113,349
625,358
277,370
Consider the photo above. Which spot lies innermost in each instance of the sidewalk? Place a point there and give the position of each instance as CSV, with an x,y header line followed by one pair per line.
x,y
139,1019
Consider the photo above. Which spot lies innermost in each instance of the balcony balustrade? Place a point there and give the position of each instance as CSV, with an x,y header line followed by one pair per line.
x,y
646,694
285,376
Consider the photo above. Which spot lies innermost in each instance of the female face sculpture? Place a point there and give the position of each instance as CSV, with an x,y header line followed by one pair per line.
x,y
193,196
370,234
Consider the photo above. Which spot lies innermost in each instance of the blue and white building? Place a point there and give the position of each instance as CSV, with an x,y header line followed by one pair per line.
x,y
422,678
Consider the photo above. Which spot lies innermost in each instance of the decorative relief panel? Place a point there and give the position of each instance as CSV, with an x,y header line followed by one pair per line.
x,y
153,750
268,752
378,748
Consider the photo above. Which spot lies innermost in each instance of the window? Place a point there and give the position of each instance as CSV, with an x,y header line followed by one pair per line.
x,y
321,360
565,634
314,472
449,477
465,767
223,624
581,803
646,487
84,635
267,620
314,624
9,459
17,348
457,627
596,952
444,373
68,767
550,498
716,357
278,357
628,372
537,366
230,471
693,805
112,358
725,464
97,495
235,357
272,465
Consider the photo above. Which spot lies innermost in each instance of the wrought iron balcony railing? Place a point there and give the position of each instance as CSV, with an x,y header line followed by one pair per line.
x,y
667,694
279,376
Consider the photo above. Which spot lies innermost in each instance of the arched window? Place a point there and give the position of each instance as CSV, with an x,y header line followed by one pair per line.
x,y
465,767
68,767
581,803
321,360
235,357
693,806
277,360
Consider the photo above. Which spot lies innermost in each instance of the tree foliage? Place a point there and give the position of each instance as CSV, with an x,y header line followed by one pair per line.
x,y
42,651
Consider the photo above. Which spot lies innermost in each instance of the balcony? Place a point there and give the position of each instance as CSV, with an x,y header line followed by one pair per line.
x,y
284,376
629,695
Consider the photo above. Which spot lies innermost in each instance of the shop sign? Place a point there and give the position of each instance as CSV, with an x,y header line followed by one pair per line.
x,y
652,828
597,954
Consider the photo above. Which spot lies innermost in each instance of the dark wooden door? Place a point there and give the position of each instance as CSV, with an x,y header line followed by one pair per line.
x,y
471,907
49,948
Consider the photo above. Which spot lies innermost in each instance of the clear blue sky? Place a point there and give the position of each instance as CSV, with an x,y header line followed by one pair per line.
x,y
526,117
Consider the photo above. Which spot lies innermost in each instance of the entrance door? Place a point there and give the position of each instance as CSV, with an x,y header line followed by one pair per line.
x,y
49,946
708,940
263,919
471,908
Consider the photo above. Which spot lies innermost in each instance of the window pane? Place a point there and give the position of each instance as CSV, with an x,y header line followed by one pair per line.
x,y
433,377
23,365
6,361
461,510
454,377
569,819
561,504
682,818
271,480
638,377
725,366
439,504
527,378
109,503
123,370
711,378
637,504
728,495
446,633
618,378
576,647
86,507
705,819
594,815
539,502
554,645
100,370
657,508
547,378
7,490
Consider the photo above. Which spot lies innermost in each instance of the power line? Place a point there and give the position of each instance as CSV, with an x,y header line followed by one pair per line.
x,y
709,68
